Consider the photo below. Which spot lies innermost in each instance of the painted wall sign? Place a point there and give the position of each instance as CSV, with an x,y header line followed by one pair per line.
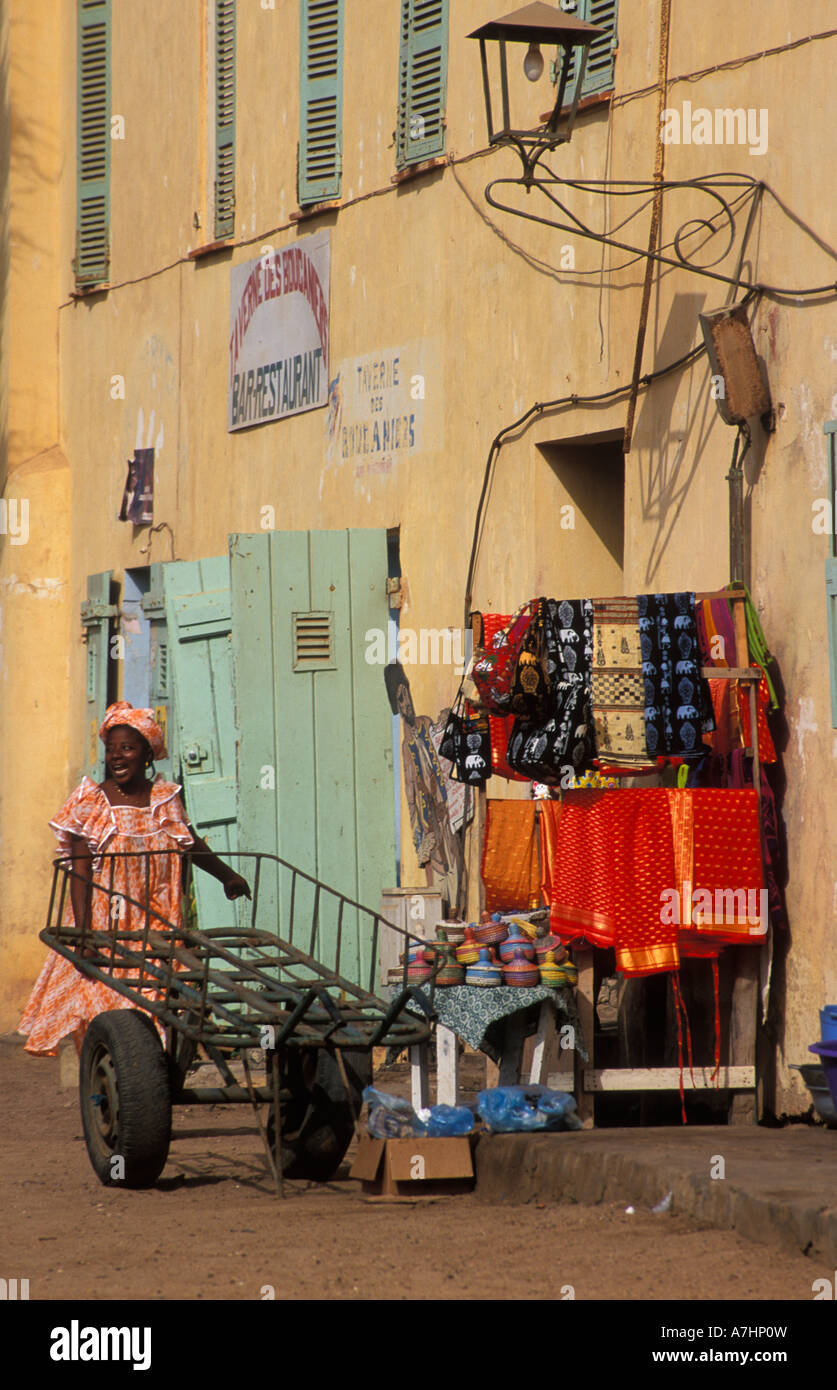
x,y
376,403
279,333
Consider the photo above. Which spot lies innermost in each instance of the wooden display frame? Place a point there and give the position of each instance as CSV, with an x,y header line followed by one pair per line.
x,y
741,1075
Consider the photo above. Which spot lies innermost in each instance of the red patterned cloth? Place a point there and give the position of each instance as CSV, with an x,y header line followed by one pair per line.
x,y
500,726
614,861
613,857
767,752
725,904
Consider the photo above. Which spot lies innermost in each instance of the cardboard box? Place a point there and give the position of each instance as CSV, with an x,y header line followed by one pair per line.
x,y
414,1167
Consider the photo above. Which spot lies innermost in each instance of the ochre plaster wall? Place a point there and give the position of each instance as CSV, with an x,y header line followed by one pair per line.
x,y
483,305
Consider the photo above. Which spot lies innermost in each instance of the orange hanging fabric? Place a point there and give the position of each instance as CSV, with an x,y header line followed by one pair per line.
x,y
510,867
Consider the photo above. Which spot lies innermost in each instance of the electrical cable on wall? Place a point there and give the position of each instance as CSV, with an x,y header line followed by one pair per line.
x,y
538,409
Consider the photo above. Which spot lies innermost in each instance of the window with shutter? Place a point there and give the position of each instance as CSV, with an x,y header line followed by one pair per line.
x,y
224,118
320,99
598,74
93,145
422,81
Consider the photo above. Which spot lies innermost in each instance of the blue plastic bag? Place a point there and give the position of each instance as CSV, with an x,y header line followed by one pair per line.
x,y
521,1109
442,1120
390,1117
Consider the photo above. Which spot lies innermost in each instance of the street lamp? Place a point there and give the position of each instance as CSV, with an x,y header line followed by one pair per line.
x,y
534,25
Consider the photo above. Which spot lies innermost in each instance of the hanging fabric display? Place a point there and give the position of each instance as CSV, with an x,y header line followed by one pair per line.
x,y
554,749
510,868
653,872
495,665
718,647
466,743
678,709
613,857
767,751
500,725
618,692
531,681
718,899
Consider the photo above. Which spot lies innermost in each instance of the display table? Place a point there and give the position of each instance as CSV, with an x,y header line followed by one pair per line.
x,y
493,1020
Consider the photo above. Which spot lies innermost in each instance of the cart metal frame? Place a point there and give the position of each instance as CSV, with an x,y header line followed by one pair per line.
x,y
229,990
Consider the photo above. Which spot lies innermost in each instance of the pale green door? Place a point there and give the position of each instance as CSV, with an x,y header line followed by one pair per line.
x,y
315,749
200,679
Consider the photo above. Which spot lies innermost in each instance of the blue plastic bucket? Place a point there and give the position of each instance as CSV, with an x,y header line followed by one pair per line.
x,y
828,1023
828,1052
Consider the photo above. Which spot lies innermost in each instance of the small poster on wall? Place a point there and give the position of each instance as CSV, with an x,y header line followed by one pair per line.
x,y
279,333
138,496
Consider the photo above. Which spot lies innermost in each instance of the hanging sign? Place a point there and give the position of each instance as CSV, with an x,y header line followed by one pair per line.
x,y
279,333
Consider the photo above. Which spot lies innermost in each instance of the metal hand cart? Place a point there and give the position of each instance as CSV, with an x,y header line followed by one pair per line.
x,y
222,992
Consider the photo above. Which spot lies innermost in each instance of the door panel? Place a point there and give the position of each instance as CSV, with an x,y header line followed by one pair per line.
x,y
315,776
96,615
199,625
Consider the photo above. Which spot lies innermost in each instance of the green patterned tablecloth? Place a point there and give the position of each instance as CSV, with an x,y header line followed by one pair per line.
x,y
478,1014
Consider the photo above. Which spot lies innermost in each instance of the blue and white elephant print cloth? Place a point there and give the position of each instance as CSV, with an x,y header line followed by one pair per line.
x,y
678,707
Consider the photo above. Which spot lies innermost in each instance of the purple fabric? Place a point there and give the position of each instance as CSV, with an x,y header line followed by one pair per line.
x,y
724,626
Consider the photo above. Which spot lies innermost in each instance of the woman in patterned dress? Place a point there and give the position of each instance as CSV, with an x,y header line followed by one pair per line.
x,y
127,814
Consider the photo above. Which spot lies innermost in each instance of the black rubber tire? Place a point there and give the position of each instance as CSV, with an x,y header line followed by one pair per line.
x,y
125,1098
318,1120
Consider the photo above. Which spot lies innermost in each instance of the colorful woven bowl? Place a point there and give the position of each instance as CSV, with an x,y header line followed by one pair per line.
x,y
516,942
552,974
454,931
519,970
469,949
451,975
546,944
491,933
484,971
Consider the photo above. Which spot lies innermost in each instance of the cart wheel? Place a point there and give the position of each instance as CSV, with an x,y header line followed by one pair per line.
x,y
125,1099
318,1118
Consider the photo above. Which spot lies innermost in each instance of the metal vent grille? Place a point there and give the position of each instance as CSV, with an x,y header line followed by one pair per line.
x,y
313,642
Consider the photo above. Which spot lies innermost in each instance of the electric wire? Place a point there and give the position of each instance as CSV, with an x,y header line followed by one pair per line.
x,y
538,409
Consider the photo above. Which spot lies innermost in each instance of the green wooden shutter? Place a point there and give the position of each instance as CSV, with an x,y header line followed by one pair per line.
x,y
422,81
224,118
200,664
315,751
600,59
320,99
96,615
160,699
598,75
93,144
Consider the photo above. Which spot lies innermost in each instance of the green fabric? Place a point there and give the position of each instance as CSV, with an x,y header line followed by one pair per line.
x,y
757,643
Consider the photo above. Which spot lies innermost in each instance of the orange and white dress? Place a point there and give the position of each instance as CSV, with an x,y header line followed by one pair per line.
x,y
64,1001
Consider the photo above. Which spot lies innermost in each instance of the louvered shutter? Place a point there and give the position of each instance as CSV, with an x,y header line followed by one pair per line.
x,y
224,118
422,81
598,75
97,613
321,99
160,698
93,144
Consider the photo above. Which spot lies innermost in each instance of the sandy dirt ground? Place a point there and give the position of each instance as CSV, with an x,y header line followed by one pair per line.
x,y
213,1229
